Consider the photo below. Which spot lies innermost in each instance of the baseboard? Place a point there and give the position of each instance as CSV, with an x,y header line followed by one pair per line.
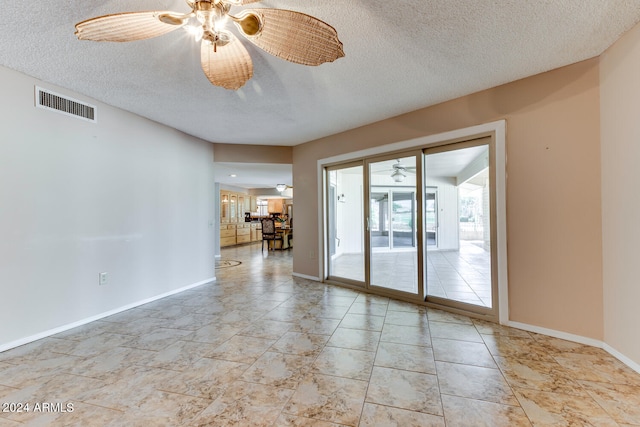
x,y
621,357
304,276
577,339
556,334
50,332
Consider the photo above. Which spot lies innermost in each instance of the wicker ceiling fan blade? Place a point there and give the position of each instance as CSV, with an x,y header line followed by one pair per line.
x,y
192,3
229,66
129,26
293,36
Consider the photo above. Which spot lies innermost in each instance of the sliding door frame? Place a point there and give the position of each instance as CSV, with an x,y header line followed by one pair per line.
x,y
497,132
455,304
325,220
418,296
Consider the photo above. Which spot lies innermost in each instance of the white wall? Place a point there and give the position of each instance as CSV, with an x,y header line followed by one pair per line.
x,y
447,205
620,134
125,196
349,214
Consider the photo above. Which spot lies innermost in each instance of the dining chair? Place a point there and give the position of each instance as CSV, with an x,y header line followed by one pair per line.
x,y
269,233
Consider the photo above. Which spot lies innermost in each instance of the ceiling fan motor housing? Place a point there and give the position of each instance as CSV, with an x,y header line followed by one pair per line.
x,y
213,17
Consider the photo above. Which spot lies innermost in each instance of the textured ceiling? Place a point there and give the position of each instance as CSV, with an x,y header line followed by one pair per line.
x,y
253,175
400,56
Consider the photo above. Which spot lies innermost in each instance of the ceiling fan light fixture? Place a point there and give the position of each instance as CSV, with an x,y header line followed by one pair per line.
x,y
281,187
194,28
398,175
217,38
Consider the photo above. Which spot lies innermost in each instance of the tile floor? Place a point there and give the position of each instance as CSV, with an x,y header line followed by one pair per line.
x,y
463,275
260,348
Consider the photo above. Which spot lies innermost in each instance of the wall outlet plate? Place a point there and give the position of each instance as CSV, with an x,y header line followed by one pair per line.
x,y
103,278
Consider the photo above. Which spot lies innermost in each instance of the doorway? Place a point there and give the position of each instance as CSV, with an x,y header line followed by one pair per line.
x,y
345,223
459,264
428,223
393,223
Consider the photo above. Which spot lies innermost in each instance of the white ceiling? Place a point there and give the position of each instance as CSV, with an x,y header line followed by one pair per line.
x,y
400,57
253,175
452,163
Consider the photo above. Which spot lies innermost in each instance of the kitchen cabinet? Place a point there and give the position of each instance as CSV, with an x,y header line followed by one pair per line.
x,y
247,205
256,231
233,207
240,215
227,235
243,233
224,207
275,206
234,230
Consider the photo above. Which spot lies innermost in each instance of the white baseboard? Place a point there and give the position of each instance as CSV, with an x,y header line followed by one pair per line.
x,y
577,339
621,357
304,276
50,332
556,334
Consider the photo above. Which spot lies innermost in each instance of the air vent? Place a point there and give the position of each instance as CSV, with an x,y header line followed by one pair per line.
x,y
65,105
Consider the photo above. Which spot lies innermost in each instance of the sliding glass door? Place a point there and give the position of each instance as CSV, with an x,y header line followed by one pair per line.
x,y
345,223
393,224
459,261
418,225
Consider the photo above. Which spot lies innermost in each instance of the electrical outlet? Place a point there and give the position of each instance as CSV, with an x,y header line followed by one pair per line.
x,y
103,279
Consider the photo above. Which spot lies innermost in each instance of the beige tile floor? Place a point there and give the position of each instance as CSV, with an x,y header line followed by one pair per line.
x,y
463,275
260,348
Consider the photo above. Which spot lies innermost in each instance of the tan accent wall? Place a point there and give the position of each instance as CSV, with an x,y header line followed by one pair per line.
x,y
236,153
620,121
553,189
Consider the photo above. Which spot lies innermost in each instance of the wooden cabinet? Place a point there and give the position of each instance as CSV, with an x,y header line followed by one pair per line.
x,y
244,206
233,207
224,207
241,206
243,233
236,234
227,235
240,198
275,206
256,231
233,228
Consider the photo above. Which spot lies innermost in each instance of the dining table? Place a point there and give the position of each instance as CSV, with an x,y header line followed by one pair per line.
x,y
284,232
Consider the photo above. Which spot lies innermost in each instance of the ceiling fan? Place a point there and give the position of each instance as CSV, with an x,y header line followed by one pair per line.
x,y
289,35
399,172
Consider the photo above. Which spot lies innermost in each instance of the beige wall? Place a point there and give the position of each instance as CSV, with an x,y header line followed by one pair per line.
x,y
235,153
620,121
553,189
